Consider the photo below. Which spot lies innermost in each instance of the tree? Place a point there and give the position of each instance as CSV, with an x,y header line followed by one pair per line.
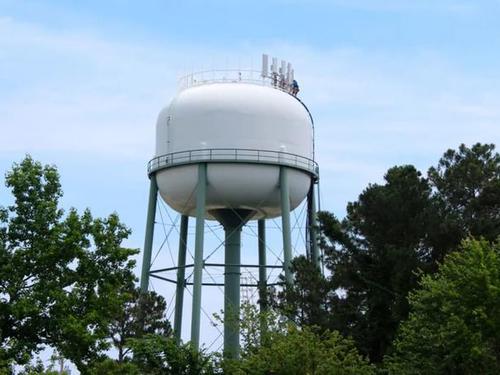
x,y
467,193
372,256
32,261
454,325
62,278
143,313
302,352
392,234
308,301
159,355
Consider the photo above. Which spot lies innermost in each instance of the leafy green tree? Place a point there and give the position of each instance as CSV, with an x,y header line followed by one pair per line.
x,y
109,366
143,313
30,267
302,352
156,354
38,369
62,278
454,325
392,234
372,256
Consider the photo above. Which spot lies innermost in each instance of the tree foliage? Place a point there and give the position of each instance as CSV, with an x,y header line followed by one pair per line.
x,y
141,314
394,233
303,352
158,355
63,277
66,282
454,325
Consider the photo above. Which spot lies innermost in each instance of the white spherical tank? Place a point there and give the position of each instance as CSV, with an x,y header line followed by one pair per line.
x,y
244,132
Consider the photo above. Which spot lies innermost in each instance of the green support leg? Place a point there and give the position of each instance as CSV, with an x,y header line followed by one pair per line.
x,y
262,274
262,265
181,274
232,291
201,192
233,221
285,224
313,224
148,240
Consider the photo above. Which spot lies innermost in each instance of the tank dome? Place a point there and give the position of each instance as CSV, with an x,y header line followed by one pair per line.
x,y
244,132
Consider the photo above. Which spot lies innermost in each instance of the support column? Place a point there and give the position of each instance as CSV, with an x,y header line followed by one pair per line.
x,y
285,224
233,221
262,265
198,254
148,240
232,291
262,276
313,223
181,274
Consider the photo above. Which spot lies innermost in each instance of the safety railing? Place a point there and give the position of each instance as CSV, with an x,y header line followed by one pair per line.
x,y
233,155
234,76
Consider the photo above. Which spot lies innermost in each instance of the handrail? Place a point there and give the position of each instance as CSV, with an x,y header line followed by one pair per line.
x,y
233,76
233,155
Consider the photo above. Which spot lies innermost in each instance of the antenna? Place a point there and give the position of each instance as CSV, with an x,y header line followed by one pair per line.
x,y
289,73
265,65
274,66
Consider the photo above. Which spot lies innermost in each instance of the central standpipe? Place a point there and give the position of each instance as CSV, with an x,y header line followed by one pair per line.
x,y
201,196
232,221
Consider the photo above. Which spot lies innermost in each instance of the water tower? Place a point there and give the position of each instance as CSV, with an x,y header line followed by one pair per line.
x,y
232,146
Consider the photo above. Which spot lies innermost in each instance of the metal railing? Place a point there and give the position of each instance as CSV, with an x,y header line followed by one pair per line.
x,y
233,76
233,155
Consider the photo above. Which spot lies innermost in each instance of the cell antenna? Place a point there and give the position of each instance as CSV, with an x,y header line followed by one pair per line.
x,y
265,65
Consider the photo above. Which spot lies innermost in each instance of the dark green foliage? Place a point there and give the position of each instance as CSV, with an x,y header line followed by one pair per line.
x,y
155,354
467,193
308,301
454,325
143,313
392,234
111,367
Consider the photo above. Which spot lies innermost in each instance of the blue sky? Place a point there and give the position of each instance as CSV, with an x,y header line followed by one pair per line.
x,y
388,82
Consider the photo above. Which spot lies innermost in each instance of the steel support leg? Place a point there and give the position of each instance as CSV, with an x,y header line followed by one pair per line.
x,y
181,274
148,240
313,224
262,276
262,265
198,254
232,292
285,224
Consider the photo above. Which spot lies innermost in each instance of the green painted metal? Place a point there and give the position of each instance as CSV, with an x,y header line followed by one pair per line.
x,y
232,221
261,231
232,292
181,274
148,240
201,192
285,224
313,224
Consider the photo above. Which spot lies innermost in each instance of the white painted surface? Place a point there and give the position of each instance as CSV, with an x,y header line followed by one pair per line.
x,y
233,115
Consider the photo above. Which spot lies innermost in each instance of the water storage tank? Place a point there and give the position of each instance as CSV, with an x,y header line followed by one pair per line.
x,y
244,131
232,149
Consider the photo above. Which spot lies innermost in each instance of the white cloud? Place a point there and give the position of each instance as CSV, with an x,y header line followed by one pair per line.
x,y
74,91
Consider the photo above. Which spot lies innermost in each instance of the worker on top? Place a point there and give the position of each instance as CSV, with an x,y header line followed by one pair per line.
x,y
295,88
